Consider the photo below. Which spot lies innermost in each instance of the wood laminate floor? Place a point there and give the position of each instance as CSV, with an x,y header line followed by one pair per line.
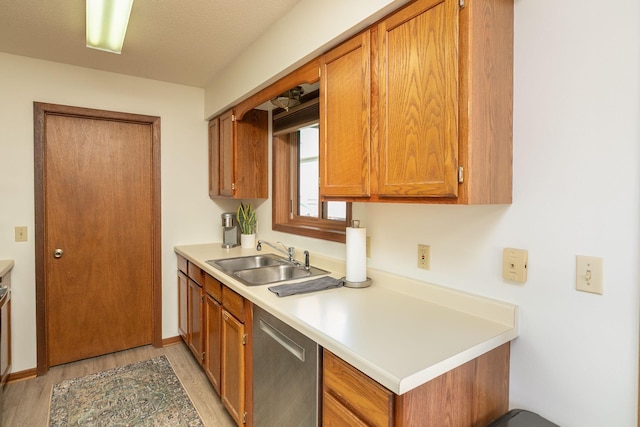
x,y
26,403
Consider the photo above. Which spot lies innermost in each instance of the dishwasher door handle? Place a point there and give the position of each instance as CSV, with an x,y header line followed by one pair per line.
x,y
283,340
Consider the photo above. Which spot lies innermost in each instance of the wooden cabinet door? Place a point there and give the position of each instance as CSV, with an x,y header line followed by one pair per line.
x,y
212,340
233,373
252,152
345,111
195,319
227,156
418,92
214,158
183,317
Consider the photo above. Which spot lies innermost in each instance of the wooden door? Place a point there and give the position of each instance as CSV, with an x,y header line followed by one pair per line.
x,y
233,358
227,157
418,111
97,233
345,110
212,341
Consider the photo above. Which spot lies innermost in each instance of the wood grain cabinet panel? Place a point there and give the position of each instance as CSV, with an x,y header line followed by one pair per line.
x,y
195,301
233,367
213,341
356,393
238,156
183,317
345,111
418,77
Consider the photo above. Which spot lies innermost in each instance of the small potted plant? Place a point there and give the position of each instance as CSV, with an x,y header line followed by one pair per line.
x,y
247,221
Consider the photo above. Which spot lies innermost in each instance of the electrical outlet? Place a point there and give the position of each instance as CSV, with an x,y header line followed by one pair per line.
x,y
514,264
21,233
424,257
589,274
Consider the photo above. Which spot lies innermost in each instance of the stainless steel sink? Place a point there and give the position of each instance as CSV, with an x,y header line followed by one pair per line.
x,y
264,269
276,273
242,263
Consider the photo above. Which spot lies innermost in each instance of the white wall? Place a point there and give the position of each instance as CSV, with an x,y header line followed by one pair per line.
x,y
576,192
188,215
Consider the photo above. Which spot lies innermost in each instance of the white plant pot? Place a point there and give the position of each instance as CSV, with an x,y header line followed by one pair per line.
x,y
248,241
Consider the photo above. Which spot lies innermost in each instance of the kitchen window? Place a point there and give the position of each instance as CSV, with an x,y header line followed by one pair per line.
x,y
297,207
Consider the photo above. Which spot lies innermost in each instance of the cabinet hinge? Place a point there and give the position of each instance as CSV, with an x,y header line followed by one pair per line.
x,y
461,2
202,356
460,174
319,71
233,116
233,185
244,418
244,339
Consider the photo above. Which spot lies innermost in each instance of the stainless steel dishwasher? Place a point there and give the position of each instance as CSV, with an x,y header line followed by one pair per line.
x,y
286,368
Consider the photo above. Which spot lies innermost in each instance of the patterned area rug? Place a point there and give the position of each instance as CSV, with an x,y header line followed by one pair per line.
x,y
146,393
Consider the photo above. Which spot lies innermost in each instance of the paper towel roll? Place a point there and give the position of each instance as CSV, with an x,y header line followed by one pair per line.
x,y
356,254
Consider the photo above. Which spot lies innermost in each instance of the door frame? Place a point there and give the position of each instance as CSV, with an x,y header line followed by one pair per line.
x,y
40,111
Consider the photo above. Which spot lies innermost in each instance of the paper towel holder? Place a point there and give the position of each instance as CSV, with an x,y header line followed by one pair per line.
x,y
349,284
356,224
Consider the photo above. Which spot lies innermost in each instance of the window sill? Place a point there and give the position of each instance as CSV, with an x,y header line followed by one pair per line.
x,y
337,235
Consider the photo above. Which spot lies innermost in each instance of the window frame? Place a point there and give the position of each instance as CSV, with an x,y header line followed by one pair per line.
x,y
284,164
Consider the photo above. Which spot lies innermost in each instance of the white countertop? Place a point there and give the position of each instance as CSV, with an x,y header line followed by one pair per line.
x,y
399,331
5,266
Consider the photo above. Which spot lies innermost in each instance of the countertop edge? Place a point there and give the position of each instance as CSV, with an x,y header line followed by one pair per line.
x,y
6,265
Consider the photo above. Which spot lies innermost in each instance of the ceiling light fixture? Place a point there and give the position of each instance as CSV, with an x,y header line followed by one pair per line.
x,y
107,22
288,99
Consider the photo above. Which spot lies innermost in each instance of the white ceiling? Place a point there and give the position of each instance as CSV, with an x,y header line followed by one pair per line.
x,y
179,41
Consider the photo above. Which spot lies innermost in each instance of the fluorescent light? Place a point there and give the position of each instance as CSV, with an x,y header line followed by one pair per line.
x,y
107,22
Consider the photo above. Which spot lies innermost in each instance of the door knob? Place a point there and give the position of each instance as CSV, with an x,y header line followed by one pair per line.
x,y
58,253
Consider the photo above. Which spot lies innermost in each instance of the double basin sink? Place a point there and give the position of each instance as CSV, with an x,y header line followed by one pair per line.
x,y
255,270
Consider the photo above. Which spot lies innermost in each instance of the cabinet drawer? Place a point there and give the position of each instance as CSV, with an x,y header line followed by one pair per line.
x,y
195,273
213,287
233,303
336,414
182,264
362,396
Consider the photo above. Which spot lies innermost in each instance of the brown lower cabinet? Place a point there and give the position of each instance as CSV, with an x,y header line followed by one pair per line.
x,y
473,394
213,321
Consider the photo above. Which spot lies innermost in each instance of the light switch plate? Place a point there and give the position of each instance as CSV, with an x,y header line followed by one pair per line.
x,y
21,234
514,264
589,274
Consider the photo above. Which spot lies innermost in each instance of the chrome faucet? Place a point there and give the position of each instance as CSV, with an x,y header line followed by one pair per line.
x,y
290,250
291,253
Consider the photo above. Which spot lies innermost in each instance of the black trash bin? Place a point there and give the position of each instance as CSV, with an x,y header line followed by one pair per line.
x,y
521,418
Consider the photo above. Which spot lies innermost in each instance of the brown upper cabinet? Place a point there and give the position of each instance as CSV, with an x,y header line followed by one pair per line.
x,y
345,116
418,108
238,152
